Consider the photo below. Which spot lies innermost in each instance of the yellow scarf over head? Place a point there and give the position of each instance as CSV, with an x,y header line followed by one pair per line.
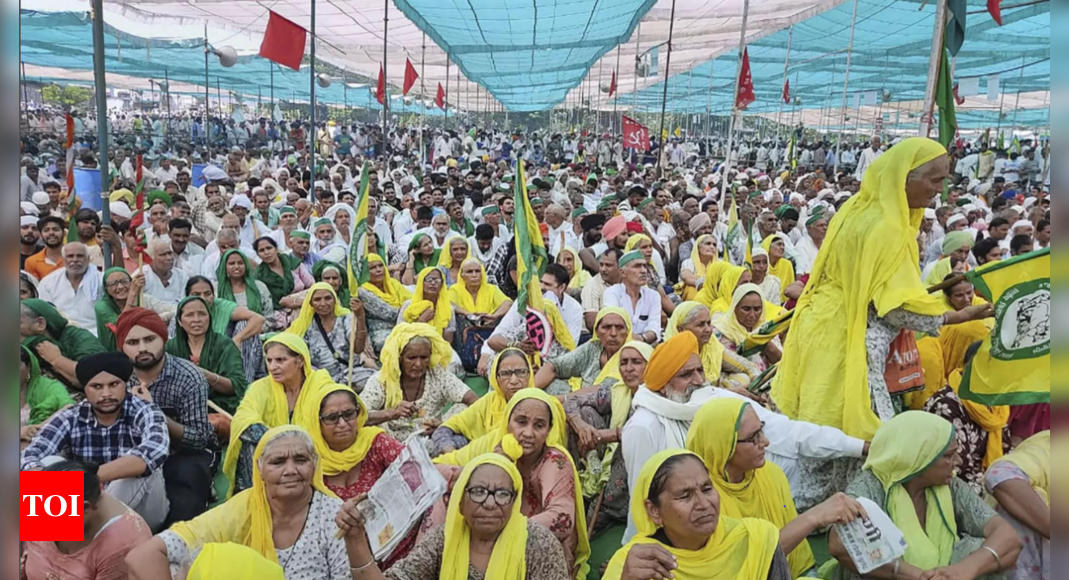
x,y
395,293
265,402
486,301
390,359
489,411
443,309
611,370
904,447
232,561
870,256
508,561
445,260
783,269
955,340
1033,458
763,494
696,258
739,549
306,317
579,274
336,462
725,289
634,241
712,353
727,323
246,518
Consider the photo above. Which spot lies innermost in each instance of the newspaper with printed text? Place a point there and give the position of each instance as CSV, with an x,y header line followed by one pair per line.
x,y
873,542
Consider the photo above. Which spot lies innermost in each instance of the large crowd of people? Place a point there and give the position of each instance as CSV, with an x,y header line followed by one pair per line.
x,y
231,393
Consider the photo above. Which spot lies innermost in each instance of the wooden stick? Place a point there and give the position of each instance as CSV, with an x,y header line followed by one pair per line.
x,y
219,410
352,349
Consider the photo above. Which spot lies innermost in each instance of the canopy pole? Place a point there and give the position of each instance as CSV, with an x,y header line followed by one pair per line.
x,y
786,65
709,102
445,102
456,118
615,119
933,66
207,88
735,98
312,92
1020,77
101,90
25,98
422,101
634,86
385,64
846,85
667,75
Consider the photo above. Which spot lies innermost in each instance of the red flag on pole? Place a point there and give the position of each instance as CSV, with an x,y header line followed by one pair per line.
x,y
440,98
283,42
960,100
636,135
787,92
380,91
746,94
612,85
410,77
995,8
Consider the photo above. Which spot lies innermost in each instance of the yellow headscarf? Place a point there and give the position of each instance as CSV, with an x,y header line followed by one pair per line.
x,y
443,309
727,323
870,256
486,301
725,289
579,274
265,403
390,359
783,270
557,439
634,241
935,377
739,549
509,558
712,353
245,518
335,462
395,294
764,493
955,341
489,411
611,370
445,259
904,447
306,317
1033,458
232,561
123,195
696,258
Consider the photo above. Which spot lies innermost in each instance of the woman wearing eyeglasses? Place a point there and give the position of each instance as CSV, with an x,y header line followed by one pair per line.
x,y
729,437
485,535
122,292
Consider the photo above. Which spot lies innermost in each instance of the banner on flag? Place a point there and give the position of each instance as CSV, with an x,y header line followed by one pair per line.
x,y
1013,364
283,41
612,85
787,92
636,135
746,94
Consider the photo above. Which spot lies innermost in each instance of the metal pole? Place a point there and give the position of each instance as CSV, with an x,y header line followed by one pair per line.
x,y
312,93
445,103
101,89
734,98
422,102
385,64
786,64
616,76
933,66
272,67
709,103
207,87
667,75
846,85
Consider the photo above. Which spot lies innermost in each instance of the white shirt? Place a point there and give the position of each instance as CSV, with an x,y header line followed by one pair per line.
x,y
864,160
77,306
165,175
645,316
570,311
191,260
170,293
806,255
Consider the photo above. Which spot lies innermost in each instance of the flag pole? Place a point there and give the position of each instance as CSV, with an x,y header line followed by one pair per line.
x,y
385,63
616,75
667,75
101,89
422,102
312,92
445,101
786,65
933,66
846,85
735,99
709,101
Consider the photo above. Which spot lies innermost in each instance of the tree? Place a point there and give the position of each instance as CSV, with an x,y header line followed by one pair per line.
x,y
67,97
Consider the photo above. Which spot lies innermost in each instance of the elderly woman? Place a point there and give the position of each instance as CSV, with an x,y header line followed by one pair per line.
x,y
693,267
284,276
333,333
334,274
57,343
1020,482
569,258
588,365
39,396
770,286
956,245
723,368
421,255
509,373
122,292
778,264
947,527
683,532
748,312
28,285
287,517
485,535
282,398
237,323
112,530
474,299
382,297
430,304
414,388
238,284
454,253
532,436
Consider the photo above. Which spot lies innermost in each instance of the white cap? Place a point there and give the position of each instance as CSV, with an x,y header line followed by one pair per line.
x,y
119,208
41,198
1021,224
29,208
28,220
955,219
241,201
1018,208
929,214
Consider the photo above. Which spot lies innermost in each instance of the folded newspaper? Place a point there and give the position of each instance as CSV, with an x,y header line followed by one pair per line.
x,y
400,498
873,542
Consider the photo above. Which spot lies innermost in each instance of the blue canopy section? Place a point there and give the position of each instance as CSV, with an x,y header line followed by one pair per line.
x,y
63,40
891,54
527,54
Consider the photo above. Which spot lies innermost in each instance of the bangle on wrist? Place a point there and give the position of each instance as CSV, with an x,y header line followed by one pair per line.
x,y
362,568
898,564
998,559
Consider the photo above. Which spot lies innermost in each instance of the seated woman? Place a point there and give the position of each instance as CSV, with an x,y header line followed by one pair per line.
x,y
723,368
720,285
770,285
683,533
728,435
218,357
532,436
238,284
237,323
430,304
509,374
57,343
112,530
122,292
485,535
414,387
569,258
778,264
956,244
947,526
334,274
287,517
382,297
281,398
1020,482
327,327
692,270
583,367
285,278
474,299
39,396
747,313
454,253
421,255
596,417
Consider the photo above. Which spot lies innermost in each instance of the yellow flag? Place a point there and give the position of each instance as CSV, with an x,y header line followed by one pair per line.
x,y
679,133
1013,364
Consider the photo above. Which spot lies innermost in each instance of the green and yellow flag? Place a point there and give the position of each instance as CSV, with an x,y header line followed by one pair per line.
x,y
531,254
733,227
1013,364
358,250
756,342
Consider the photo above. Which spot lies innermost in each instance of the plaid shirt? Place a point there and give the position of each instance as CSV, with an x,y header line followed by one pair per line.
x,y
181,392
140,431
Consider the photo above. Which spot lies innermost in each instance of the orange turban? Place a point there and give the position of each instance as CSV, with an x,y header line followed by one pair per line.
x,y
668,358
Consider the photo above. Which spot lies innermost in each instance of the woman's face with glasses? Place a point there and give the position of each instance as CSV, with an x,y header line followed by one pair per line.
x,y
513,374
337,418
118,286
488,500
751,444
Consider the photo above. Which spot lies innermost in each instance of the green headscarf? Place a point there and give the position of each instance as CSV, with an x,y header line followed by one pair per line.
x,y
219,355
279,286
344,297
44,396
226,290
74,343
466,228
421,262
107,312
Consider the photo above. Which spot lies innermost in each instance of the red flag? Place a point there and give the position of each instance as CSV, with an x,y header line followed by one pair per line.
x,y
283,42
440,98
995,8
746,94
380,91
410,77
960,100
612,85
636,135
787,92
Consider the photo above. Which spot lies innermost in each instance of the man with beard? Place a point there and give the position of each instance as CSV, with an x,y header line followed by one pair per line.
x,y
52,231
178,388
29,239
126,436
74,288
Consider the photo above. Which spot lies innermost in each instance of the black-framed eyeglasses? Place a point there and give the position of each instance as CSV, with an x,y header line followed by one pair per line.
x,y
480,495
756,436
117,283
521,374
335,418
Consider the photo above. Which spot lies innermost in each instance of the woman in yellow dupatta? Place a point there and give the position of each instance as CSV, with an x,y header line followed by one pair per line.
x,y
426,299
590,365
456,251
569,258
387,289
868,263
546,467
719,300
383,298
285,396
232,562
473,294
1020,482
778,265
306,317
910,472
692,273
676,512
747,313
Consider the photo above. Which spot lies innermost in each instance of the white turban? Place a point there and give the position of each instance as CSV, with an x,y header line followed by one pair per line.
x,y
28,220
1021,224
29,208
241,201
120,209
929,214
40,198
955,219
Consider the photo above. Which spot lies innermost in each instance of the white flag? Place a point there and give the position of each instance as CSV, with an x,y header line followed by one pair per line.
x,y
278,113
857,101
870,99
969,87
992,87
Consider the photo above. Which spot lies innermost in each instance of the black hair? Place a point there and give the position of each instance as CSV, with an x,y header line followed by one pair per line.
x,y
558,272
999,203
950,289
424,213
999,222
198,280
970,353
660,479
637,190
87,215
614,253
268,239
90,481
1043,224
179,224
484,232
983,248
1018,242
326,194
51,219
349,394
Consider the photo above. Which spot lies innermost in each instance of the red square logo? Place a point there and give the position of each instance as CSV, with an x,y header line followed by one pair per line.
x,y
52,506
